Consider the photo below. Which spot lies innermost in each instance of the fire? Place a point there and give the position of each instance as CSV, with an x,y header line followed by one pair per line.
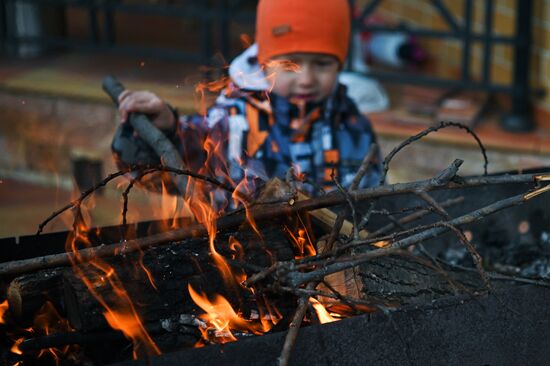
x,y
222,319
129,324
381,244
302,242
15,348
99,276
3,309
276,66
322,313
47,322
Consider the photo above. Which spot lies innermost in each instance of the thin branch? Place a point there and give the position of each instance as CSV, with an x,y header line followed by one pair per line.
x,y
127,192
351,207
498,276
294,327
296,278
260,213
416,215
365,165
443,178
84,194
427,131
147,168
436,206
476,257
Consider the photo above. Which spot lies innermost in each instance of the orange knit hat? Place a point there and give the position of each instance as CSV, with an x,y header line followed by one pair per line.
x,y
288,26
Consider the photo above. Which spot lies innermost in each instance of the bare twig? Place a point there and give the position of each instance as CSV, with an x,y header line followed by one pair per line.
x,y
476,257
294,327
351,207
261,213
436,206
498,276
427,131
335,295
84,194
145,168
365,164
363,169
415,216
296,278
443,178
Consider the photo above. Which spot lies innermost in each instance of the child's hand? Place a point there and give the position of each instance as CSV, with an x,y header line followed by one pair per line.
x,y
147,103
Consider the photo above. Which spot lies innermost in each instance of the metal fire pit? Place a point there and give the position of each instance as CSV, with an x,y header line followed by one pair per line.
x,y
511,326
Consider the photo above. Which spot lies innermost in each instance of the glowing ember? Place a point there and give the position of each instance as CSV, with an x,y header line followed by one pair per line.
x,y
3,309
381,244
15,348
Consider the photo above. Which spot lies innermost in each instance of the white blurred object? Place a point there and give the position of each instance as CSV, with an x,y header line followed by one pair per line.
x,y
384,48
246,72
367,93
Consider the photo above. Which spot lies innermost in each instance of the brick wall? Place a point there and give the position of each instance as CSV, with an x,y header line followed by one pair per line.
x,y
42,134
446,55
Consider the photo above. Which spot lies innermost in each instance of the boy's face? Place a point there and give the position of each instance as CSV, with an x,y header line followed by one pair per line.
x,y
303,77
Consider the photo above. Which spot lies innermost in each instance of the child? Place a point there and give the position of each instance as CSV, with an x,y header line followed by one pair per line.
x,y
283,107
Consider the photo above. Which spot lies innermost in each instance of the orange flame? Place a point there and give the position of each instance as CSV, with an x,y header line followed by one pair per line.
x,y
245,188
49,321
222,319
97,274
15,348
302,242
381,244
3,309
322,313
129,324
273,67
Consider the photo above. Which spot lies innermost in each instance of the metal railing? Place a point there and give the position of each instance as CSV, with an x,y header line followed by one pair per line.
x,y
519,119
214,18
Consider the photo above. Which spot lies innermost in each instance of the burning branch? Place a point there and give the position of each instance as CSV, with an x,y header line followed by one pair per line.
x,y
165,150
263,212
142,170
305,278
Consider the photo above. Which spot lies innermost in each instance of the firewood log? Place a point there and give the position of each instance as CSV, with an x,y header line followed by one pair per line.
x,y
26,294
172,268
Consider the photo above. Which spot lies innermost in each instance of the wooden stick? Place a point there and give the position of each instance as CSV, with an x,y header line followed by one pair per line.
x,y
296,279
259,213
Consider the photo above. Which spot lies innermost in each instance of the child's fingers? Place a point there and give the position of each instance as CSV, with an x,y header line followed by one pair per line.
x,y
122,104
141,102
123,95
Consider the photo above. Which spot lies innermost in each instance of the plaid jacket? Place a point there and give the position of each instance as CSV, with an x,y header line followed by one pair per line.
x,y
260,135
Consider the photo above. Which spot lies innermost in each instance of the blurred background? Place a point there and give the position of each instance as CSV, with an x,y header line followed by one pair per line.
x,y
413,63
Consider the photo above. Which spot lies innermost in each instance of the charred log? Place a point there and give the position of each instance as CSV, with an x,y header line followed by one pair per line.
x,y
28,293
